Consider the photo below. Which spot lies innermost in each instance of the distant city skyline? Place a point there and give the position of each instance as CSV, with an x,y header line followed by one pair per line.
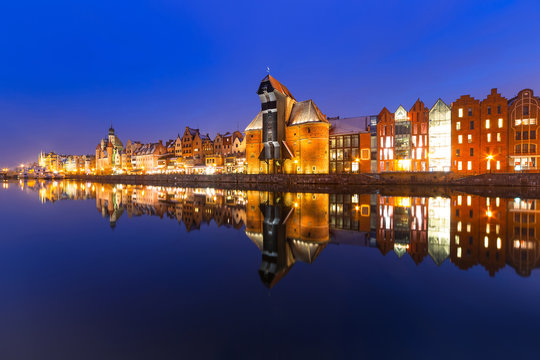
x,y
153,68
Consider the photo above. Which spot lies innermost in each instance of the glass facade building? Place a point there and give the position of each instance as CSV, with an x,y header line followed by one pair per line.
x,y
440,140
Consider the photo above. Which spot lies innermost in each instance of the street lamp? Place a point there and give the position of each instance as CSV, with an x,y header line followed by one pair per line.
x,y
489,158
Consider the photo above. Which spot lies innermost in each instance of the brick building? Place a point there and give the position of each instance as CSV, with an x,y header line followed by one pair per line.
x,y
350,145
493,152
466,136
523,143
287,136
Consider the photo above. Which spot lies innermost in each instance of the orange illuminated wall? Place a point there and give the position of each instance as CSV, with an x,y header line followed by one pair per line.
x,y
494,134
466,136
419,117
385,141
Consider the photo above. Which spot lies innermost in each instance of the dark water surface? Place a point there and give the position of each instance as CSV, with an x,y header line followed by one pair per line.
x,y
92,271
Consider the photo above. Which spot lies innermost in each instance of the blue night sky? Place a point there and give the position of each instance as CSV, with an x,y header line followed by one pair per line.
x,y
69,69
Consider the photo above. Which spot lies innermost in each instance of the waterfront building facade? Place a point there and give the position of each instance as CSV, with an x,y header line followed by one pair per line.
x,y
350,145
494,134
440,129
288,137
145,158
109,154
466,136
523,142
385,141
419,118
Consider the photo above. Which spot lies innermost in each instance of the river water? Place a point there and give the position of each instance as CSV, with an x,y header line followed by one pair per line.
x,y
101,271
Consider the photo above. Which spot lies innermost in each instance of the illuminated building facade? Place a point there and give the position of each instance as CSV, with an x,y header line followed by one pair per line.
x,y
109,154
440,129
493,153
288,137
523,143
350,145
419,118
466,135
385,141
402,140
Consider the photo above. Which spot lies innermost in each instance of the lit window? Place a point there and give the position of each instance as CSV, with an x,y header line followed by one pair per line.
x,y
458,252
469,200
488,137
517,122
468,228
486,241
458,125
459,165
459,200
489,165
459,226
460,112
487,123
499,243
488,201
487,229
497,228
460,139
532,121
469,165
497,201
498,137
469,138
457,239
500,123
498,165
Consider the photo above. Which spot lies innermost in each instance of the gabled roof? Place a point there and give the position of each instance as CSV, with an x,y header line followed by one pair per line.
x,y
256,123
304,112
192,132
439,105
277,85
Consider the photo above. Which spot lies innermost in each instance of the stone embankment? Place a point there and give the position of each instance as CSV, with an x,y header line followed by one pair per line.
x,y
332,182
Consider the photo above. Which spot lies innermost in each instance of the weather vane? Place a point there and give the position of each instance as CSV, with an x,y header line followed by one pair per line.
x,y
268,69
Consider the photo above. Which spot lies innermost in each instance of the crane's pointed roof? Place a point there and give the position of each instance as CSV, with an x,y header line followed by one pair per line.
x,y
276,85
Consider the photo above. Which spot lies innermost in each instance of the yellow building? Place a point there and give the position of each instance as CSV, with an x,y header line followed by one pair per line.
x,y
286,136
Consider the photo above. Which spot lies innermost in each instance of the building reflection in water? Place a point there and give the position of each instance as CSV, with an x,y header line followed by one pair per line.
x,y
468,230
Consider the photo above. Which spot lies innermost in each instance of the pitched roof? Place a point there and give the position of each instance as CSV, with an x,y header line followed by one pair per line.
x,y
146,149
192,132
277,85
306,111
349,125
256,123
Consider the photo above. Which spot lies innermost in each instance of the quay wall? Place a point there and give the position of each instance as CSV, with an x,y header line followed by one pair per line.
x,y
321,181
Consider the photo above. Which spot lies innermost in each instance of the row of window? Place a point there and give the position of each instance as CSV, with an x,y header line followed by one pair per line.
x,y
471,124
469,165
470,111
525,148
344,141
526,135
